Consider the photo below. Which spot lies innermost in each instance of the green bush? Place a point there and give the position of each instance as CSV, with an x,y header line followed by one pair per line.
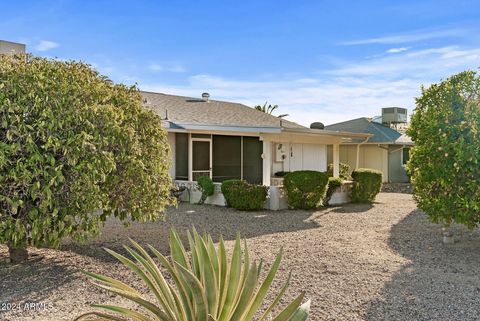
x,y
333,184
206,186
344,170
305,189
244,196
248,197
226,188
366,185
444,163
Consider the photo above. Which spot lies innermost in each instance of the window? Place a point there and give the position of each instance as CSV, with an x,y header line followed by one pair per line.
x,y
405,155
227,157
181,156
252,160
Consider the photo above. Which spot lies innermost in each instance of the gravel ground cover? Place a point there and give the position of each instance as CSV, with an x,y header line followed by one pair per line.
x,y
356,262
397,188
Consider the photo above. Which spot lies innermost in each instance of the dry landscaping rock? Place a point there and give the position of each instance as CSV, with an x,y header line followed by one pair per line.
x,y
384,261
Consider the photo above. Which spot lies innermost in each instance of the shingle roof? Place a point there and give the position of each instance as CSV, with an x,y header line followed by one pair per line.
x,y
404,140
381,134
196,111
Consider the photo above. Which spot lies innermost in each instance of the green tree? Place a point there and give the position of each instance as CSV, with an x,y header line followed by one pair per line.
x,y
269,109
445,161
74,149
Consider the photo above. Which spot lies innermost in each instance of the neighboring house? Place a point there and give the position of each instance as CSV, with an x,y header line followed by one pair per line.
x,y
225,140
11,48
387,150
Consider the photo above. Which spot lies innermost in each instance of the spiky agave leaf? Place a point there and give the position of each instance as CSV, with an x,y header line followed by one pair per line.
x,y
206,286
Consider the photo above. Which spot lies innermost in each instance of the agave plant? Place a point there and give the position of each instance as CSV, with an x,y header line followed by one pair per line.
x,y
205,286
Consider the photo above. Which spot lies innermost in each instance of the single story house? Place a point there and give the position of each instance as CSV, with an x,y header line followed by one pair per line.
x,y
226,140
387,150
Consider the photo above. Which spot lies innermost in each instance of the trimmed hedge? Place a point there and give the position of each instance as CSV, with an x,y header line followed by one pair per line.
x,y
206,186
226,185
305,189
244,196
366,185
333,184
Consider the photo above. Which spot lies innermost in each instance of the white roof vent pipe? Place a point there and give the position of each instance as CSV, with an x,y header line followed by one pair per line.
x,y
206,96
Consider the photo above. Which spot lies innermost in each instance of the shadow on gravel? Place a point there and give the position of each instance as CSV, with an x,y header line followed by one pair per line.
x,y
32,281
353,208
211,219
442,281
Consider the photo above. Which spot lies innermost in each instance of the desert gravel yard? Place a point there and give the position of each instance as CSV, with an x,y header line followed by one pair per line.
x,y
356,262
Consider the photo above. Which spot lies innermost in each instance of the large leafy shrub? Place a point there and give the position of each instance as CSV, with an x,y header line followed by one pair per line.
x,y
366,185
333,184
74,149
344,171
305,189
206,186
445,161
244,196
204,286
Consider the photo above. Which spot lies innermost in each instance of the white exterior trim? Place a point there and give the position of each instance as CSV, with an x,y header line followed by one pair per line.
x,y
336,160
190,158
201,139
241,157
267,162
223,128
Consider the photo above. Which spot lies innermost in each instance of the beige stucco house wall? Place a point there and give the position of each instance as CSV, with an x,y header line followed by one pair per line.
x,y
290,157
371,156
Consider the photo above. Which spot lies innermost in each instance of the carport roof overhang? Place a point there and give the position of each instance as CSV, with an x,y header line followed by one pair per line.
x,y
312,136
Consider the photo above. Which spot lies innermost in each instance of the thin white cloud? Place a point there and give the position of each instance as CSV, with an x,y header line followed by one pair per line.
x,y
351,90
45,45
166,68
397,50
429,63
414,36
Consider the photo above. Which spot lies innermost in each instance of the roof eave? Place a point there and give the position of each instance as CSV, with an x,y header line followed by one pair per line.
x,y
222,128
323,132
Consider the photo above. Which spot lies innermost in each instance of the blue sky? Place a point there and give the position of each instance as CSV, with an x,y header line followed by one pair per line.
x,y
322,61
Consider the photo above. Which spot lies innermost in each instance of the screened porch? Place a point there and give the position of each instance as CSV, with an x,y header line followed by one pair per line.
x,y
220,157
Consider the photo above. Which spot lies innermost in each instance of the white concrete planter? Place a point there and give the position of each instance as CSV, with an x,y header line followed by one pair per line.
x,y
342,194
276,181
276,200
192,193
